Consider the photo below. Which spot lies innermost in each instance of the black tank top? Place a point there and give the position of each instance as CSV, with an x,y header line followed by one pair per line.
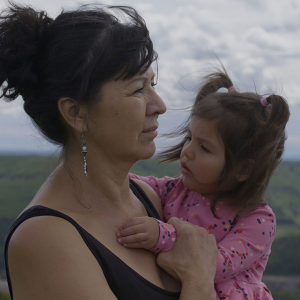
x,y
124,282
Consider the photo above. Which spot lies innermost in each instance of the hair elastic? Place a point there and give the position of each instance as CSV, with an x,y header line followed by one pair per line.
x,y
264,101
232,89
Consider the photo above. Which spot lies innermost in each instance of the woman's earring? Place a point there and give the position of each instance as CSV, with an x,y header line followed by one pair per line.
x,y
84,152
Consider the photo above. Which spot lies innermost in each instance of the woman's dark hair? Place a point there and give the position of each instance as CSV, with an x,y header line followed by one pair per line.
x,y
43,59
253,136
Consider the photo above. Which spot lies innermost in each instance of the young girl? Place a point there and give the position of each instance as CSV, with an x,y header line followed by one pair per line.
x,y
231,146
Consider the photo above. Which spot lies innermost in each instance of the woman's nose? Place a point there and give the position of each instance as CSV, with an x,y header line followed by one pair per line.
x,y
156,105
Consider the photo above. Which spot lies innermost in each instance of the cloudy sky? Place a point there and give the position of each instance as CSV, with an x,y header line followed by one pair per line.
x,y
258,41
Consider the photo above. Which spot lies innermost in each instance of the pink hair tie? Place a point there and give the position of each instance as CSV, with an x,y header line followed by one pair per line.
x,y
264,102
232,89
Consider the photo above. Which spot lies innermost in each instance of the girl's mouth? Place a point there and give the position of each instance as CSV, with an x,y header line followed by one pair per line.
x,y
184,169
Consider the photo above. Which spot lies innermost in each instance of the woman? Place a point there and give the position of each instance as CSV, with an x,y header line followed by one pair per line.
x,y
87,83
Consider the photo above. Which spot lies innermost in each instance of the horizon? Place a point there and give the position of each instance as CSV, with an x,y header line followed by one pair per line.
x,y
57,153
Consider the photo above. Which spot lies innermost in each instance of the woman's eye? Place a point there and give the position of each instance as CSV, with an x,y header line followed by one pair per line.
x,y
142,89
188,138
139,90
205,149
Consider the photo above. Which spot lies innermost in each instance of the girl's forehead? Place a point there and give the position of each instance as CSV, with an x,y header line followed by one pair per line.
x,y
205,129
202,124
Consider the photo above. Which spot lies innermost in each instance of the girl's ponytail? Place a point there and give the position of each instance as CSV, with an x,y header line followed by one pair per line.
x,y
278,111
276,116
213,82
20,42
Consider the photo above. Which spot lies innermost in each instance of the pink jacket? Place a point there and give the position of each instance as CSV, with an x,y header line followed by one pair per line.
x,y
244,245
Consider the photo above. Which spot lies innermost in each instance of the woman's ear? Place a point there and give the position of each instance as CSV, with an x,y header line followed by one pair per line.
x,y
245,170
73,114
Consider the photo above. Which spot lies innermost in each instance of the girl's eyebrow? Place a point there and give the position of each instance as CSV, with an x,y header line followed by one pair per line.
x,y
202,139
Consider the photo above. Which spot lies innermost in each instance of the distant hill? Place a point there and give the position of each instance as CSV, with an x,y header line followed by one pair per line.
x,y
21,177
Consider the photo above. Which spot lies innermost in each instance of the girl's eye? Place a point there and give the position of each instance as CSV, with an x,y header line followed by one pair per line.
x,y
187,138
153,85
205,149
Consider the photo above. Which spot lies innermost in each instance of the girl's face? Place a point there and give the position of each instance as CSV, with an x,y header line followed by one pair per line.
x,y
202,157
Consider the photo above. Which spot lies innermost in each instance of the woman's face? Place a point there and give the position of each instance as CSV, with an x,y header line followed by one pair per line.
x,y
124,121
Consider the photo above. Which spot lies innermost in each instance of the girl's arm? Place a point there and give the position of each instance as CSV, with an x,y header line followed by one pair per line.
x,y
247,244
147,233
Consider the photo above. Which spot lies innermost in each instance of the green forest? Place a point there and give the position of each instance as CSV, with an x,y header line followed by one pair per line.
x,y
21,176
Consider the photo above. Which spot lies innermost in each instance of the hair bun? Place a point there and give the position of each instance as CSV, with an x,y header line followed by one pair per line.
x,y
20,34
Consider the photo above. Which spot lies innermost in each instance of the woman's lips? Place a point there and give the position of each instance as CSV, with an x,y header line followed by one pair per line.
x,y
151,130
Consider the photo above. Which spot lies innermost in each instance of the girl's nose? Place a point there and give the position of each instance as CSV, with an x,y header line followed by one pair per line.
x,y
188,151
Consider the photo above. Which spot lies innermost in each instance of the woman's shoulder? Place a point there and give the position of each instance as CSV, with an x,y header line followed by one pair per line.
x,y
49,252
42,231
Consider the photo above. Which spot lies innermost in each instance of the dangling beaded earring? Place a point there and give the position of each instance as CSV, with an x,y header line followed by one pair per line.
x,y
84,152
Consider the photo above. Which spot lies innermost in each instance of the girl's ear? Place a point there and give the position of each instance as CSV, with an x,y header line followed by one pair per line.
x,y
245,170
73,114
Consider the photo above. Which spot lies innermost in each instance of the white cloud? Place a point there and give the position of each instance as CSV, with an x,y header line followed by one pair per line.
x,y
258,41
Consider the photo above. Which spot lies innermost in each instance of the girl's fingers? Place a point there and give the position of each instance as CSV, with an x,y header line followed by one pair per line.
x,y
133,230
135,245
133,222
133,239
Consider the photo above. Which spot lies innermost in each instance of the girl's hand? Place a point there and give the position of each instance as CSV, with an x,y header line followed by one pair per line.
x,y
193,259
139,232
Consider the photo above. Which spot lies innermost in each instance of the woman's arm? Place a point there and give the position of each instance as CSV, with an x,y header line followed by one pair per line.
x,y
192,260
48,259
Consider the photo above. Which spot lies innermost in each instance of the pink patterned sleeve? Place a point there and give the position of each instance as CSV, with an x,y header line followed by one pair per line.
x,y
167,238
247,244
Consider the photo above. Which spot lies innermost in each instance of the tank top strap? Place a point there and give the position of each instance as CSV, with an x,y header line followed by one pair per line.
x,y
141,195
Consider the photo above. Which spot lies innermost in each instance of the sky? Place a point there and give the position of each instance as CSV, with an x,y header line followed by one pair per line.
x,y
256,40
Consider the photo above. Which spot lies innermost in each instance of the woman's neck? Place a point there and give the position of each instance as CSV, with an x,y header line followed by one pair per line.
x,y
106,181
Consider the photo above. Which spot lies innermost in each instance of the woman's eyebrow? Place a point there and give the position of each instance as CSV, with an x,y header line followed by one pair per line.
x,y
142,77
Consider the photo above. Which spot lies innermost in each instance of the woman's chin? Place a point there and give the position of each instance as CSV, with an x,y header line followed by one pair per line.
x,y
147,152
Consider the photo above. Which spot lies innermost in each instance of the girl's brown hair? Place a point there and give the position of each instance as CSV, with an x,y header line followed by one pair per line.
x,y
253,136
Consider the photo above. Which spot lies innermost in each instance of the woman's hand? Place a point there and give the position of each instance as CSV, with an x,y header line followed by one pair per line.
x,y
193,260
